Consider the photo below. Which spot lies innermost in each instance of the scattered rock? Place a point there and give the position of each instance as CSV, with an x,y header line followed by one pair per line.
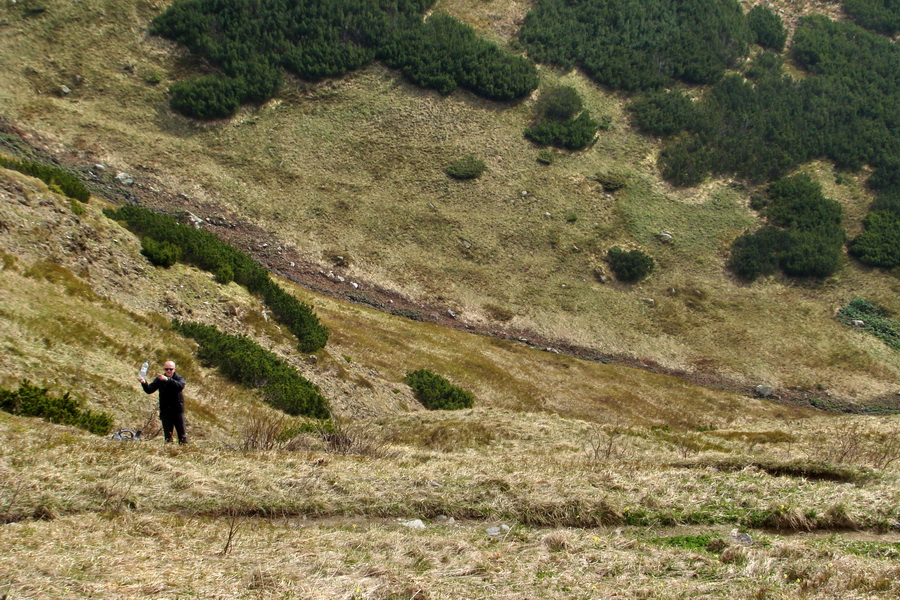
x,y
196,221
355,285
665,237
125,179
858,323
64,89
99,168
649,301
414,524
451,314
741,538
763,391
497,531
551,350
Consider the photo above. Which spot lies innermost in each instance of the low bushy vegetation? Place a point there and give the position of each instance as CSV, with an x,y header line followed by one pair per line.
x,y
160,254
879,244
804,236
56,177
768,30
874,320
227,263
467,167
560,120
638,45
664,112
882,16
843,110
436,393
630,265
32,401
242,360
251,42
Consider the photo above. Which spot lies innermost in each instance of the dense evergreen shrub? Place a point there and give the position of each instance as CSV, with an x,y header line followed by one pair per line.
x,y
804,238
560,121
879,244
436,393
467,167
559,103
443,53
250,42
70,185
635,45
797,203
571,134
843,110
33,401
768,30
242,360
632,265
759,253
882,16
685,162
227,263
664,112
161,254
209,97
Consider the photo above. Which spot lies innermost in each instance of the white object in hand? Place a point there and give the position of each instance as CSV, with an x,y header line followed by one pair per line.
x,y
144,368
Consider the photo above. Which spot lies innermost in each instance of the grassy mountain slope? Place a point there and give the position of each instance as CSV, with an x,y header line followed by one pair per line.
x,y
355,168
609,479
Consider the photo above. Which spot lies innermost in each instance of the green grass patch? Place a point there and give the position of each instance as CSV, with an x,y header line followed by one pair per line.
x,y
874,321
694,543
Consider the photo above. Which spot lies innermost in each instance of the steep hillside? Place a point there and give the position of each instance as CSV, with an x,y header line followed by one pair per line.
x,y
569,477
349,173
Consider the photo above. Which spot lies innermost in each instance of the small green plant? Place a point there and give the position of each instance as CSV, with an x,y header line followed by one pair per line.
x,y
467,167
612,181
436,393
545,157
687,542
572,218
632,265
33,401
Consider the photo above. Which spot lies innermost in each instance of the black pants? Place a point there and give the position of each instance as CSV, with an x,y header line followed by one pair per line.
x,y
174,420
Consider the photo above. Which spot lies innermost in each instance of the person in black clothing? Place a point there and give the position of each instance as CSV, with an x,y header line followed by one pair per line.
x,y
171,401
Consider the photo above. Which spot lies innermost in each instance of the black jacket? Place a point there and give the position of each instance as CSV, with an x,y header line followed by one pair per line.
x,y
171,399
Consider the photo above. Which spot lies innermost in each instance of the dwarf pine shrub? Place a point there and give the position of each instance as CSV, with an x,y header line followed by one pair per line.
x,y
436,393
467,167
64,181
632,265
244,361
161,254
33,401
